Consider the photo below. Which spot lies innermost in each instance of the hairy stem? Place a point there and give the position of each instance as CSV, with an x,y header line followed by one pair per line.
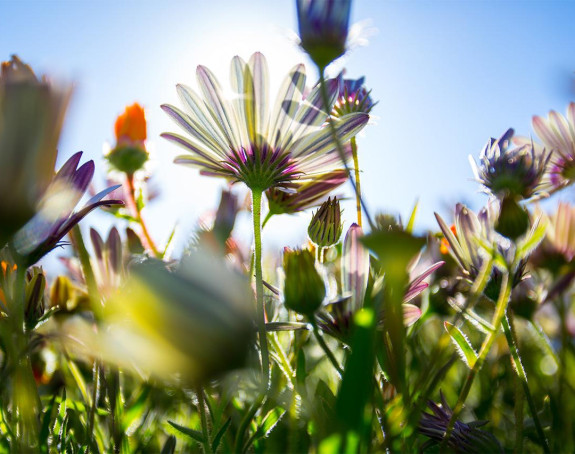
x,y
137,213
339,147
207,443
500,308
357,181
511,337
324,346
260,308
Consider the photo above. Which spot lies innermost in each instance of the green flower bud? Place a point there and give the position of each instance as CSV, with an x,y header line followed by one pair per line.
x,y
128,159
304,289
325,227
513,219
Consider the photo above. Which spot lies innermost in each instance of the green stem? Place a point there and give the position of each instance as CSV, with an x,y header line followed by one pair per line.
x,y
267,218
500,308
511,337
282,359
137,213
339,146
244,424
324,346
207,444
26,399
357,181
260,308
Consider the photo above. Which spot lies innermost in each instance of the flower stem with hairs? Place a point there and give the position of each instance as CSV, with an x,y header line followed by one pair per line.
x,y
137,212
500,309
260,308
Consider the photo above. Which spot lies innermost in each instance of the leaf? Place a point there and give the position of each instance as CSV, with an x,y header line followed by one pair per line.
x,y
220,434
169,445
526,245
411,222
286,326
193,434
462,343
268,423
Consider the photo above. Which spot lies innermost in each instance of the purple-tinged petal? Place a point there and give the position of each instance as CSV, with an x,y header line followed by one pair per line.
x,y
355,267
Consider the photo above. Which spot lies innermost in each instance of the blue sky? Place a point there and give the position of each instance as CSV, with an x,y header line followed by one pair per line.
x,y
447,74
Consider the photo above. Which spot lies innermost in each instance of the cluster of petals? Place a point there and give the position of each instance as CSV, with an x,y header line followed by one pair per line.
x,y
242,140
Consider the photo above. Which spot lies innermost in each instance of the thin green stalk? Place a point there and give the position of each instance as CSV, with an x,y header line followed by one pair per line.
x,y
511,337
207,443
248,416
339,147
282,358
357,181
260,308
325,347
26,399
519,404
500,308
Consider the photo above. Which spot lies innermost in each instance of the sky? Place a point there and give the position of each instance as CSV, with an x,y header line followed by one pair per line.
x,y
447,75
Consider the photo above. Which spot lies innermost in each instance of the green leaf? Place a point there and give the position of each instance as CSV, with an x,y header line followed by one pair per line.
x,y
526,245
357,379
136,409
193,434
220,434
267,425
286,326
462,343
411,223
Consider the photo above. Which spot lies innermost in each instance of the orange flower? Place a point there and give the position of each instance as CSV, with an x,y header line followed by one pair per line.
x,y
131,125
444,247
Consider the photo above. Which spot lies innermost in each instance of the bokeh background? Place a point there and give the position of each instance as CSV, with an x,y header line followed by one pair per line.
x,y
447,74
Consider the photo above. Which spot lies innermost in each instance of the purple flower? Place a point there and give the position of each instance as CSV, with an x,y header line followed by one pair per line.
x,y
516,172
31,116
323,28
352,97
56,216
239,140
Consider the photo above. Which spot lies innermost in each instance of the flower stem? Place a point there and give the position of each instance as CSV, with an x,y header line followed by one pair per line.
x,y
26,400
137,213
357,181
500,308
339,146
260,308
511,337
324,346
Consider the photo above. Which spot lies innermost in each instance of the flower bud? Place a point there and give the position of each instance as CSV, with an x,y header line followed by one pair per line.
x,y
325,227
31,116
323,28
304,289
130,153
513,219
